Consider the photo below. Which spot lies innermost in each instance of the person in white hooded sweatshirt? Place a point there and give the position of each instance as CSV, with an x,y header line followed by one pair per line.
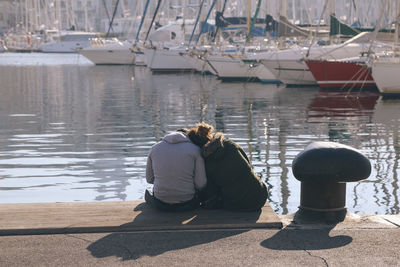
x,y
176,168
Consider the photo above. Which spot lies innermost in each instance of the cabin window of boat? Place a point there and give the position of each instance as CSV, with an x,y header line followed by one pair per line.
x,y
173,35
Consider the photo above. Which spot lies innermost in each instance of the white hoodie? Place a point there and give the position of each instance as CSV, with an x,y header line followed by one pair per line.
x,y
176,168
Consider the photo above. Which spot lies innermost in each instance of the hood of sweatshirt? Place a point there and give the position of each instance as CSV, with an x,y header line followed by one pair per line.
x,y
176,137
215,147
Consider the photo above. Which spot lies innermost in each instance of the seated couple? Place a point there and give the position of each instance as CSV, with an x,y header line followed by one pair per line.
x,y
193,168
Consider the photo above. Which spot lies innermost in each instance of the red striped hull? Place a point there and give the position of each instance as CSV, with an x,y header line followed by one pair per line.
x,y
341,74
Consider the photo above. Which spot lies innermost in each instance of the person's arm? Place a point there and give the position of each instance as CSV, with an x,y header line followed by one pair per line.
x,y
243,154
200,178
149,171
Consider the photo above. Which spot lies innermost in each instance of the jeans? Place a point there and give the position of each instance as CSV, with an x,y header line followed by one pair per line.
x,y
192,204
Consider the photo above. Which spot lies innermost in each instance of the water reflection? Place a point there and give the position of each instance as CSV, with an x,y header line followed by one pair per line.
x,y
384,150
82,132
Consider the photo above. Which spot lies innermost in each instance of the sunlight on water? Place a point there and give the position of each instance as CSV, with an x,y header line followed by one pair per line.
x,y
72,131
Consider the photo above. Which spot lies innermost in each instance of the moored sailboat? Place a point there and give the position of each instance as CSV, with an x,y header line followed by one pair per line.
x,y
109,51
240,62
386,69
68,42
385,72
168,59
344,74
240,65
290,67
170,50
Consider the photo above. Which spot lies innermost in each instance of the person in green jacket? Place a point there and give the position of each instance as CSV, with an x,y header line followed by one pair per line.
x,y
231,181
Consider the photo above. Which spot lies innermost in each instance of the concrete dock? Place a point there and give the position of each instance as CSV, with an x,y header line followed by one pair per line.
x,y
131,233
97,217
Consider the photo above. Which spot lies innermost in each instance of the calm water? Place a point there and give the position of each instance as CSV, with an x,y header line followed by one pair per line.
x,y
72,131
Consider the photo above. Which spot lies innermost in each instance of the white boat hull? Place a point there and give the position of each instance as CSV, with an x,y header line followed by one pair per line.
x,y
111,56
64,47
265,75
21,43
290,72
386,76
68,42
289,67
199,64
232,67
168,60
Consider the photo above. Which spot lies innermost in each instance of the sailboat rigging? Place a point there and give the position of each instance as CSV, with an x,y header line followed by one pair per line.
x,y
112,18
219,20
253,21
197,21
204,23
108,16
152,20
141,21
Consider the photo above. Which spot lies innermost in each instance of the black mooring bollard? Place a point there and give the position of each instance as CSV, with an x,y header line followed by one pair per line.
x,y
324,168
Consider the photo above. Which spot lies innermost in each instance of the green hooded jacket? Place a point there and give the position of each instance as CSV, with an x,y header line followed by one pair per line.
x,y
229,169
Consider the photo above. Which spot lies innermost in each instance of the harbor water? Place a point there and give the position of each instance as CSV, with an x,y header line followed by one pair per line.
x,y
72,131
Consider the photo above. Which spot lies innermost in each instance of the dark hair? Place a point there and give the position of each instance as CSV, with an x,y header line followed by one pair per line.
x,y
201,134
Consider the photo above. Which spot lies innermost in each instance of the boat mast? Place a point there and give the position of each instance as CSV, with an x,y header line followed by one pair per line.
x,y
86,16
68,14
332,13
202,16
26,17
197,21
152,20
112,18
253,21
106,9
267,12
205,20
184,14
248,18
71,12
218,26
293,12
38,21
282,13
58,9
332,7
283,9
45,14
141,21
397,27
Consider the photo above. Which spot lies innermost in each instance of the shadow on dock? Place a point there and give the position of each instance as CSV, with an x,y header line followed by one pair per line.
x,y
301,234
133,245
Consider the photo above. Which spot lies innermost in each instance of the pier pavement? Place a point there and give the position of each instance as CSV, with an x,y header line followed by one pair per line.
x,y
132,234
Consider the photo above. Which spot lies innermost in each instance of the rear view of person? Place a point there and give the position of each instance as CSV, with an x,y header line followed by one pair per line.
x,y
176,168
232,182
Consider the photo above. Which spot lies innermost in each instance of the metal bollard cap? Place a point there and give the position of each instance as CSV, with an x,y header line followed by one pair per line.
x,y
326,162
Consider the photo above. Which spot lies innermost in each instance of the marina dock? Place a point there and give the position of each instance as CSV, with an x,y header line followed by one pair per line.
x,y
97,217
130,233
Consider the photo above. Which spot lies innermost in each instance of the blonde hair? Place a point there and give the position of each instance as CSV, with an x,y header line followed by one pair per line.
x,y
201,133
